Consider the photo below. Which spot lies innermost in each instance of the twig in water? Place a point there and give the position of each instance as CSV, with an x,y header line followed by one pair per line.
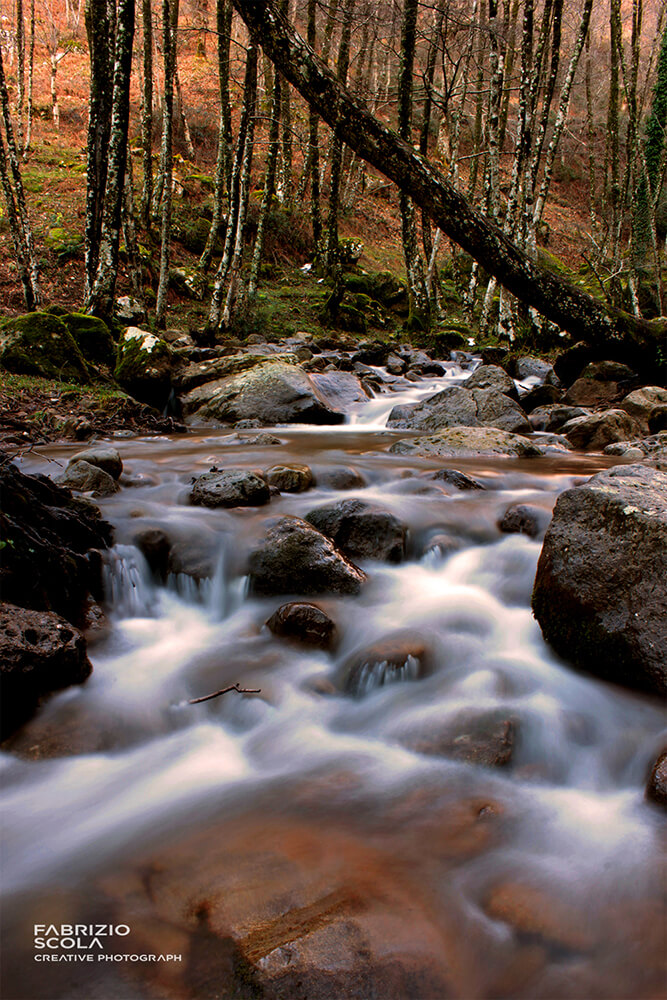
x,y
216,694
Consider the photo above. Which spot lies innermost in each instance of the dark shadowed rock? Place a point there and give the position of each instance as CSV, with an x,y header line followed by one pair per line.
x,y
304,623
656,787
524,519
230,488
600,594
590,392
155,546
290,478
273,392
643,403
361,530
295,558
40,652
569,365
541,395
144,366
405,656
46,563
87,478
554,415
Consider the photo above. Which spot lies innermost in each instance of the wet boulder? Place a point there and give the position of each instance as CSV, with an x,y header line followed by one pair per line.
x,y
459,406
40,652
492,377
361,530
601,383
541,395
290,478
104,458
305,623
230,488
596,430
535,369
642,404
468,442
405,656
599,593
212,369
656,786
340,390
84,477
274,392
341,477
524,519
144,366
296,558
40,344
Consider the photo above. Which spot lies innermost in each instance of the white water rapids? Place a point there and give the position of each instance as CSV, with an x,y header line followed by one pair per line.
x,y
114,771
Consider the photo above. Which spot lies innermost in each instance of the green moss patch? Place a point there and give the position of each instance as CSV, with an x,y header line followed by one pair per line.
x,y
41,344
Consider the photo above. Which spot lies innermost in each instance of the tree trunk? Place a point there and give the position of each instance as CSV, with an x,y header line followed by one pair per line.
x,y
20,70
147,113
269,187
99,125
101,299
169,27
572,309
31,76
331,261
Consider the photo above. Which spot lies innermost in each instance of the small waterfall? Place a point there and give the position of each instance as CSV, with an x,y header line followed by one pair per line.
x,y
375,675
128,587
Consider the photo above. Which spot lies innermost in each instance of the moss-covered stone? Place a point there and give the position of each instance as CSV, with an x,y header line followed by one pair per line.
x,y
41,344
143,366
92,336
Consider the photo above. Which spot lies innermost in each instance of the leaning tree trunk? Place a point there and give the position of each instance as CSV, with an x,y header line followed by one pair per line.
x,y
565,304
169,27
101,299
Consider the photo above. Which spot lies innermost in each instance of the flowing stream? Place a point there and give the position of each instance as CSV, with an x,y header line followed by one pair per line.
x,y
124,803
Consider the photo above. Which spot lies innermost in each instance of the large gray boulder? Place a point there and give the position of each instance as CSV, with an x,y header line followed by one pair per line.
x,y
596,430
643,403
361,530
295,558
459,406
84,477
492,377
469,441
273,392
600,595
230,488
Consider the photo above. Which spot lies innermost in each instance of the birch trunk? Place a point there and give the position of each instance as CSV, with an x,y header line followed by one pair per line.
x,y
169,28
147,113
269,188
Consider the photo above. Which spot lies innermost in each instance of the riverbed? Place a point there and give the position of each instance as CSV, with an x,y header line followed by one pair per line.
x,y
306,842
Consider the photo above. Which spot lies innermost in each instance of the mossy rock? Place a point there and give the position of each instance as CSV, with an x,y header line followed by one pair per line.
x,y
450,340
93,337
41,344
358,284
144,366
65,245
351,319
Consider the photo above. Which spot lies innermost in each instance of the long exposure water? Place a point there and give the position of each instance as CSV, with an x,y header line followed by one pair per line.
x,y
124,803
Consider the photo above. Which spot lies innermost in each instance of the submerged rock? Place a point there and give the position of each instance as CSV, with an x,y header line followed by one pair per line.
x,y
524,519
306,623
402,657
455,478
486,738
40,652
468,441
361,530
295,558
273,392
230,488
600,595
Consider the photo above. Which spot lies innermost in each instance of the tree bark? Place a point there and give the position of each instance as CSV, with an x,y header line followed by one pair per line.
x,y
147,113
101,299
170,26
572,309
99,124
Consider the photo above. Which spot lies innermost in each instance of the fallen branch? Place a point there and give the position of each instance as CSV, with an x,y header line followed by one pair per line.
x,y
216,694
